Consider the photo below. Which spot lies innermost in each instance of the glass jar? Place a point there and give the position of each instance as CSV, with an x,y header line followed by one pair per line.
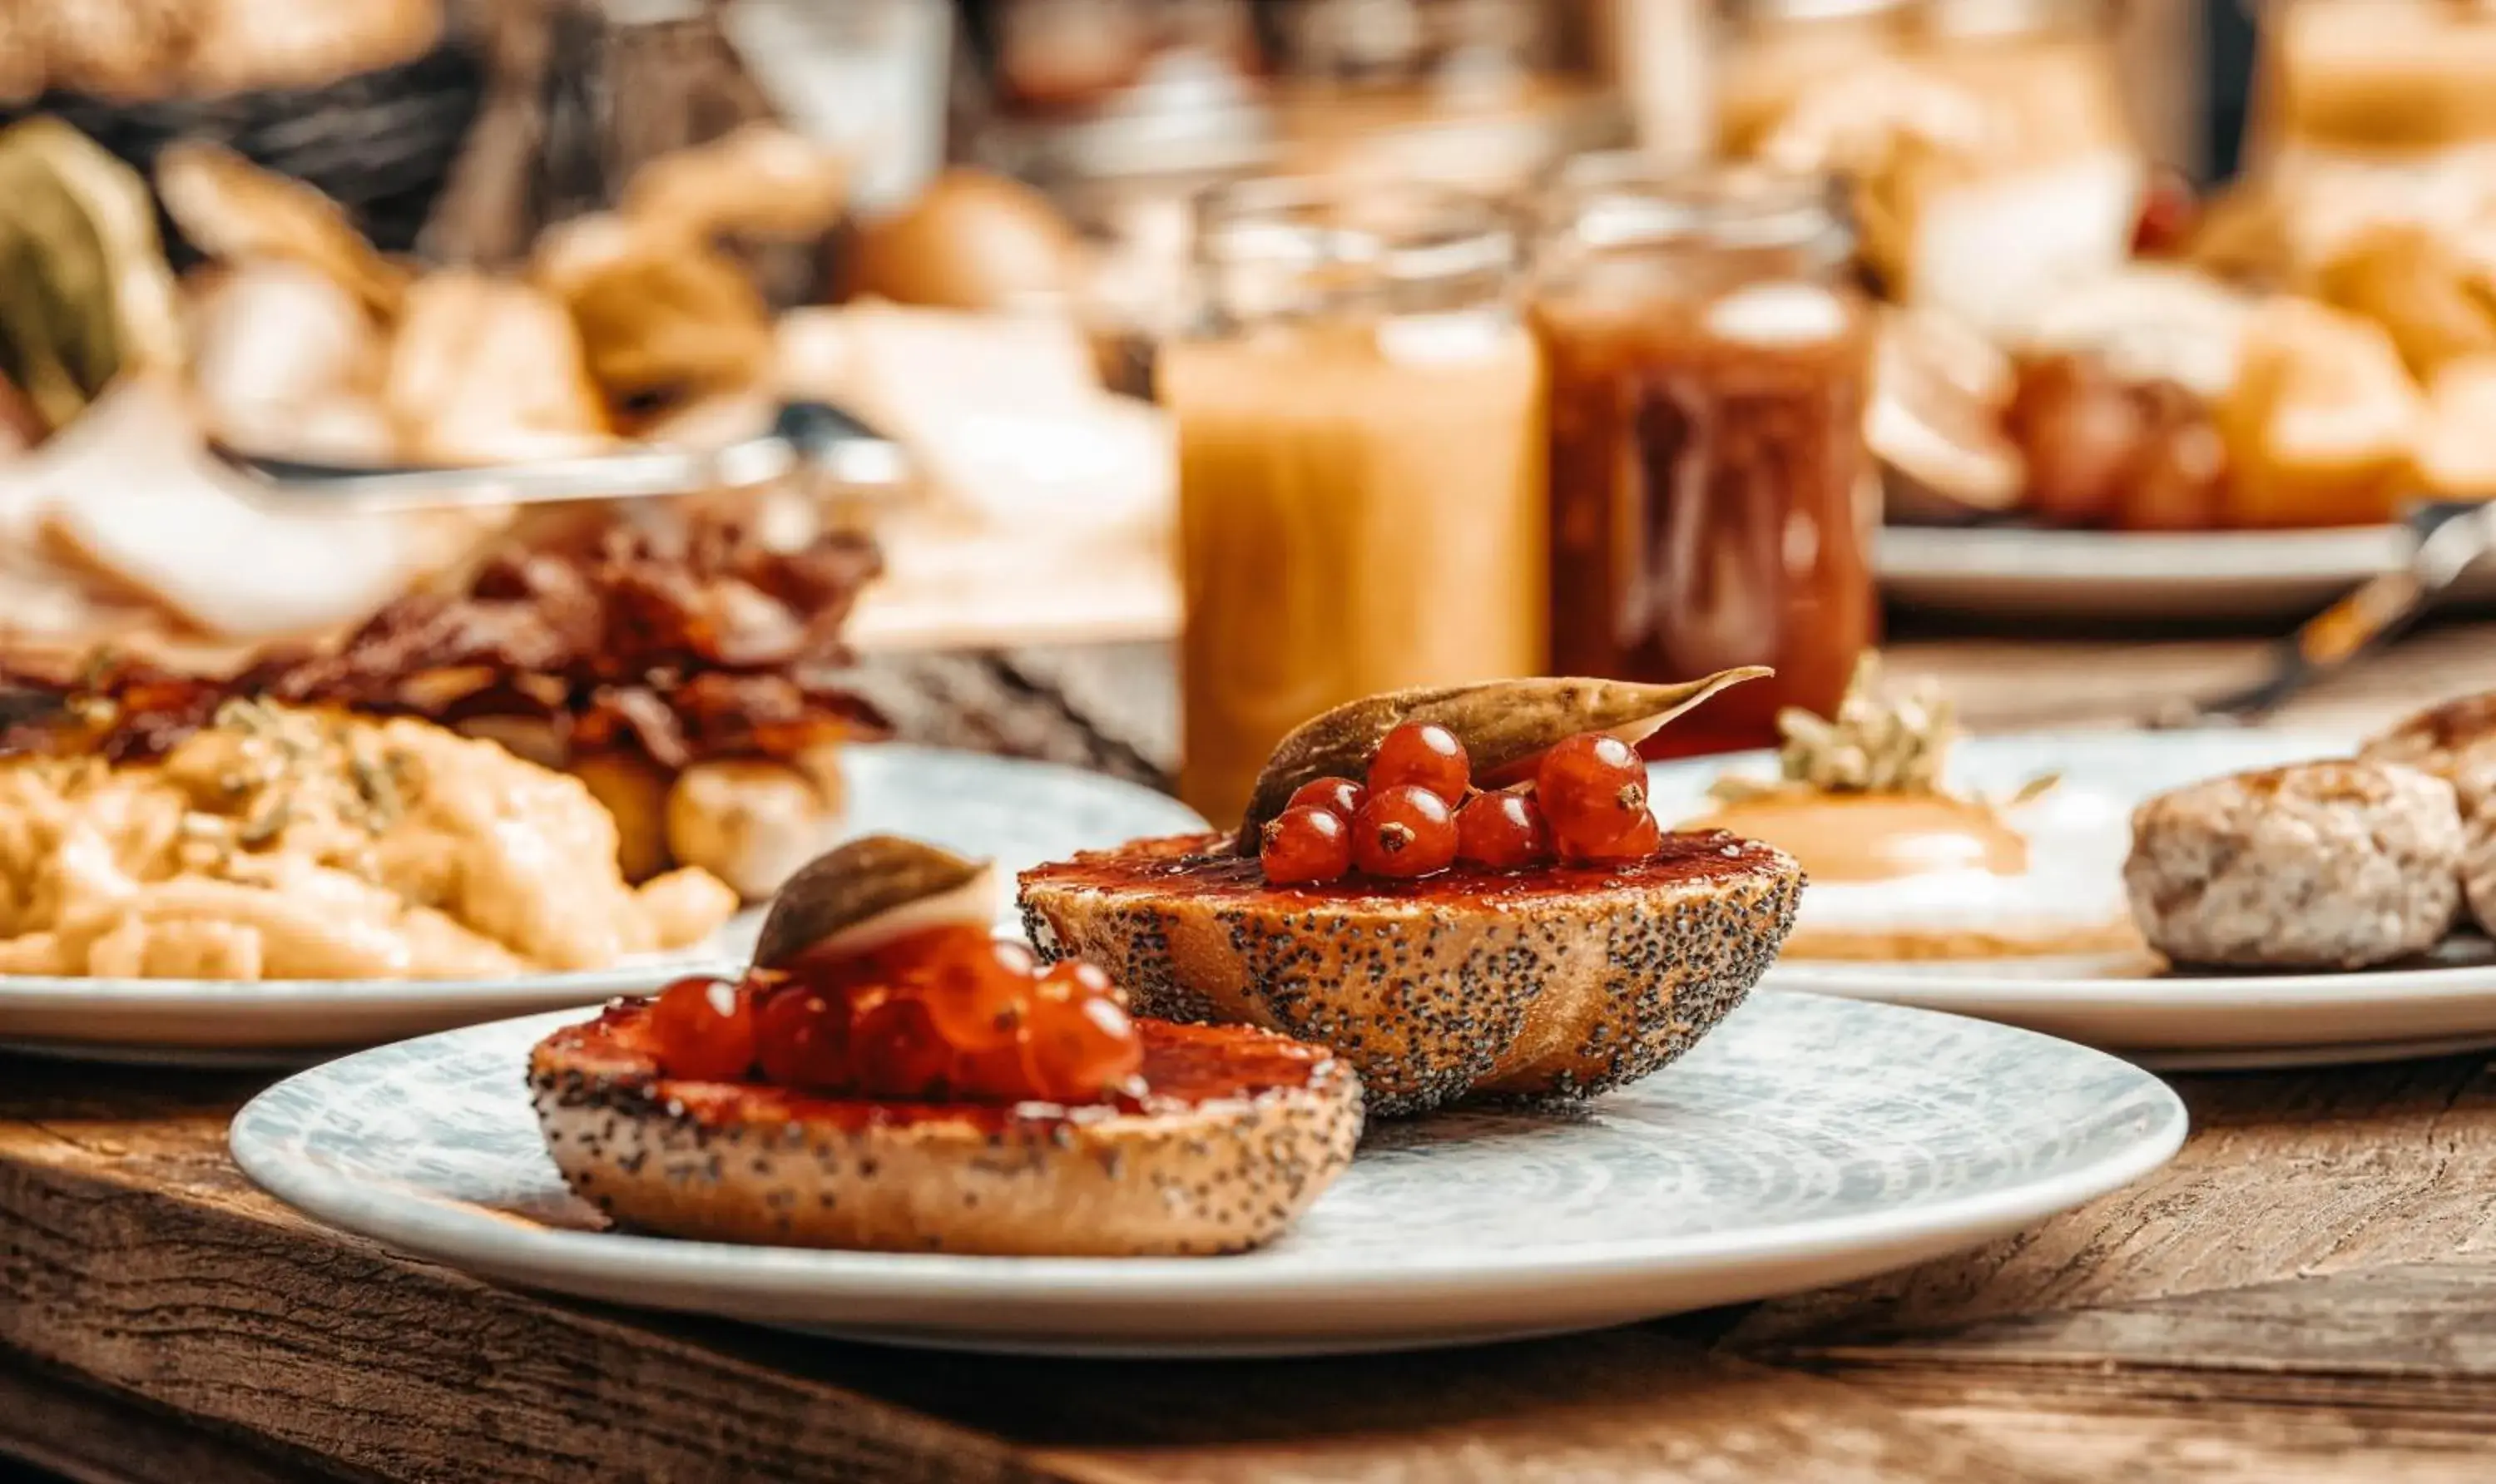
x,y
1358,420
1711,496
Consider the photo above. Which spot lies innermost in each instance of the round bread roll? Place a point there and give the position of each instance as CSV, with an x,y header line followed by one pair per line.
x,y
1241,1132
2316,865
1556,987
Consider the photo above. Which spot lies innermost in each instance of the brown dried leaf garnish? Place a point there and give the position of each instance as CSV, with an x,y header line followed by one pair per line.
x,y
1502,723
852,885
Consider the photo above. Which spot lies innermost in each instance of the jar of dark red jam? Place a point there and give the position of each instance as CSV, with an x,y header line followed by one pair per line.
x,y
1712,500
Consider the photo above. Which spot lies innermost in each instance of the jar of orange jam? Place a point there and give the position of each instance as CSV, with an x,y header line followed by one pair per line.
x,y
1358,413
1712,499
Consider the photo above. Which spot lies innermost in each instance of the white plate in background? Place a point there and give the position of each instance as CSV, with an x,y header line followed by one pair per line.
x,y
2125,1003
2023,572
1019,814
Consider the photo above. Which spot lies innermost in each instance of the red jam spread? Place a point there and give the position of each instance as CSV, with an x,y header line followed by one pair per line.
x,y
948,1015
1181,1066
1202,867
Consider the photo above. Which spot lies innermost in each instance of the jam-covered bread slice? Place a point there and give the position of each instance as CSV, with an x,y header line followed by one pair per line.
x,y
1554,980
1231,1134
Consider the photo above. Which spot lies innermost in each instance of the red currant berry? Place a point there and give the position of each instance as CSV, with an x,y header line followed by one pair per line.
x,y
1071,978
998,1074
1336,795
801,1036
705,1029
1503,831
1425,757
1404,831
977,990
1306,844
1639,842
1082,1049
1593,790
898,1053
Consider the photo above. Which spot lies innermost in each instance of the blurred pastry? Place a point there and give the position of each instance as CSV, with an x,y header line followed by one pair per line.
x,y
2081,430
676,333
245,46
2437,304
664,324
1971,198
1939,394
234,212
485,369
126,495
2456,442
285,357
22,427
2322,421
2149,322
971,240
2178,478
759,178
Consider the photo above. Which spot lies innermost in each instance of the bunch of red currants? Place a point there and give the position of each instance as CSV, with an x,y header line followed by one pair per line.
x,y
1420,812
944,1014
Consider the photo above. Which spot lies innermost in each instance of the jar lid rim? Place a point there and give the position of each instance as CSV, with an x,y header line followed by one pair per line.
x,y
1622,199
1313,219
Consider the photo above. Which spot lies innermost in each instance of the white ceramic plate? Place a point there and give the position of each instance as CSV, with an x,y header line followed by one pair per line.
x,y
1021,814
1808,1141
2122,1002
2010,570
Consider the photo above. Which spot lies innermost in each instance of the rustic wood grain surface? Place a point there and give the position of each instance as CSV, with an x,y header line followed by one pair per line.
x,y
2308,1292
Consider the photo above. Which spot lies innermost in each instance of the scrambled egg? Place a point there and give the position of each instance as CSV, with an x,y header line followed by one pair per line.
x,y
284,844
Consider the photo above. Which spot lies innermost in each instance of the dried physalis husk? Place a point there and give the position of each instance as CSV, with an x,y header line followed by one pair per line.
x,y
762,178
484,370
1502,723
664,324
233,209
871,891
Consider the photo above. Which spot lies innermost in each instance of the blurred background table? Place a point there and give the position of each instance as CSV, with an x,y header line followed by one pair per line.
x,y
1116,706
2303,1295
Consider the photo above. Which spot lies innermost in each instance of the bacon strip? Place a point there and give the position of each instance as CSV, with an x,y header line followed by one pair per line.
x,y
686,639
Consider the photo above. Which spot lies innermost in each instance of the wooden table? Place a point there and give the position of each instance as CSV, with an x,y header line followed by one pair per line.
x,y
2308,1292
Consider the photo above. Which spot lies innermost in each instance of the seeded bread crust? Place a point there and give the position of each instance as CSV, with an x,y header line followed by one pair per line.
x,y
1220,1177
2320,865
1561,997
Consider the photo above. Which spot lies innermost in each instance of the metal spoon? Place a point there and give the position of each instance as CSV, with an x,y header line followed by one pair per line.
x,y
2449,537
803,435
